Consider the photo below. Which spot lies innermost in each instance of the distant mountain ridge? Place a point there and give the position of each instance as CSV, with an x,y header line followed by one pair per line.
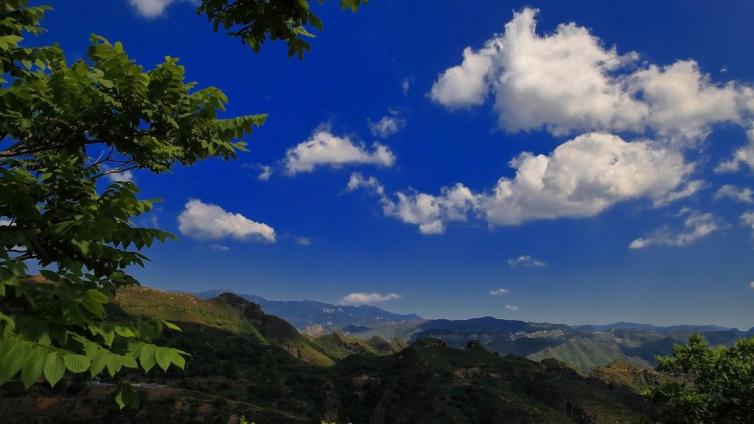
x,y
622,325
583,347
318,318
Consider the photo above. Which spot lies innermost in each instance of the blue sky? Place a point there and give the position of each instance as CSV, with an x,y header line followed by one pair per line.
x,y
627,130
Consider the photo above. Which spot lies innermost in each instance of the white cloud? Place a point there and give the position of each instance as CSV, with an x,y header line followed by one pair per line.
x,y
751,285
683,102
4,222
431,212
465,84
580,178
220,247
744,155
387,125
691,188
357,181
748,219
696,226
427,211
211,222
568,81
122,176
364,298
153,8
499,292
265,172
730,191
405,86
526,261
511,307
325,149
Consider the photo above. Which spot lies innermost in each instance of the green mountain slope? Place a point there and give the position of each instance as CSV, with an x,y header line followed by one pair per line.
x,y
338,345
245,362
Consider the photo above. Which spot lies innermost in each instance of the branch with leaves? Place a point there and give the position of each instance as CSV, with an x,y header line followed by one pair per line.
x,y
56,117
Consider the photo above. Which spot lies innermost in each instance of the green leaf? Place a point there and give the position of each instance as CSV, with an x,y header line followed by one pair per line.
x,y
94,307
76,363
120,399
33,367
15,358
99,361
97,296
147,356
171,326
164,356
54,368
178,360
114,364
124,331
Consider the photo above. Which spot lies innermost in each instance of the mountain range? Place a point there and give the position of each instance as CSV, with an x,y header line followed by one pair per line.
x,y
582,347
317,318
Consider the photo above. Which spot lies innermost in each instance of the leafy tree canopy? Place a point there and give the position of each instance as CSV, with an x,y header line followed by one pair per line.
x,y
254,21
713,385
63,128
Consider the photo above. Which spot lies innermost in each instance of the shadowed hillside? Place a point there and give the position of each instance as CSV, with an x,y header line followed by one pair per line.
x,y
246,362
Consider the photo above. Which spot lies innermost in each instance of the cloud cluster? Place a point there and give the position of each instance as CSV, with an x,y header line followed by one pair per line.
x,y
526,261
205,221
325,149
387,125
511,307
695,226
426,211
365,298
499,292
582,177
568,82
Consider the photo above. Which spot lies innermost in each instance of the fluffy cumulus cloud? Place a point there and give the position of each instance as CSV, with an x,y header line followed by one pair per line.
x,y
325,149
499,292
365,298
582,177
568,81
154,8
205,221
696,226
526,261
426,211
467,83
387,125
741,194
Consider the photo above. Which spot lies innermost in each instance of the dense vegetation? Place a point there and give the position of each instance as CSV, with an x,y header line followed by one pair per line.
x,y
245,362
712,384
